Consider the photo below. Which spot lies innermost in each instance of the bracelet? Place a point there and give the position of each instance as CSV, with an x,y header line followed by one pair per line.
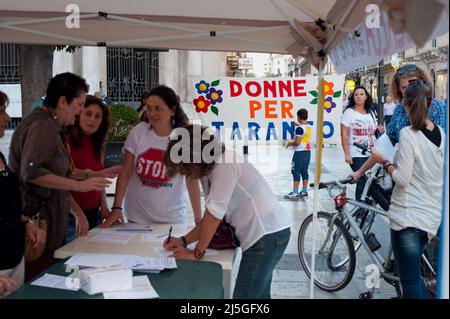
x,y
28,220
198,254
116,207
184,240
87,173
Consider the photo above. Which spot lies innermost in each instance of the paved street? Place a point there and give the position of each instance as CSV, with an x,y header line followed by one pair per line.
x,y
290,281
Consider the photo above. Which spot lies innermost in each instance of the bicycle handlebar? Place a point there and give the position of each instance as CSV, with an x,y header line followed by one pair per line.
x,y
348,180
362,147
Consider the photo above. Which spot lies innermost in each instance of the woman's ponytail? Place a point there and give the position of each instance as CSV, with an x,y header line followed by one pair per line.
x,y
418,98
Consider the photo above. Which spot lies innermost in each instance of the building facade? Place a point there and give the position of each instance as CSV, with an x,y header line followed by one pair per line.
x,y
124,74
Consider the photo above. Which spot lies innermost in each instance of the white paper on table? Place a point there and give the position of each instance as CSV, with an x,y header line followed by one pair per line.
x,y
152,238
53,281
162,252
97,260
385,147
130,261
120,238
142,289
152,263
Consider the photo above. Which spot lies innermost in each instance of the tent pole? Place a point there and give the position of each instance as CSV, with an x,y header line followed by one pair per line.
x,y
443,261
318,171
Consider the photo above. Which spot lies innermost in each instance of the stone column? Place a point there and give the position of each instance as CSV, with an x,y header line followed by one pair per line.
x,y
91,67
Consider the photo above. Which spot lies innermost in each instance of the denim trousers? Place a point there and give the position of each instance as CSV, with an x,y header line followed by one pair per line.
x,y
257,264
357,163
408,245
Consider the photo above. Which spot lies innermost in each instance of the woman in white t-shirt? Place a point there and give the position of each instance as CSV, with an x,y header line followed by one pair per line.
x,y
235,191
416,205
148,194
358,125
388,110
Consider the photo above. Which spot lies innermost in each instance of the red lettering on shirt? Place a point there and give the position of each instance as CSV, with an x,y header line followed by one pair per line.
x,y
150,168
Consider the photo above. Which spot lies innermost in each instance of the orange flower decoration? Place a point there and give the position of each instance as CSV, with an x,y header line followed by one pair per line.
x,y
327,88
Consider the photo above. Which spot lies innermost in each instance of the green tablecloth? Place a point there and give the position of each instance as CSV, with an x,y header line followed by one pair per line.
x,y
191,280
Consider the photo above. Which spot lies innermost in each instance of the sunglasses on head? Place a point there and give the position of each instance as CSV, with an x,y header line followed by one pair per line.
x,y
406,68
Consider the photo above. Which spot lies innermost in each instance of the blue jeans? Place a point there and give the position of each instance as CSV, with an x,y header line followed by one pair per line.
x,y
258,262
408,245
357,163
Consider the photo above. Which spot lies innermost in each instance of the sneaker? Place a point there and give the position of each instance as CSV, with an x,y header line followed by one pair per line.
x,y
304,194
292,195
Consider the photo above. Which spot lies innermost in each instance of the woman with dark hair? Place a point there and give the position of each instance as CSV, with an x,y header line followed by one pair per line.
x,y
40,157
358,125
86,140
148,194
13,224
236,192
416,203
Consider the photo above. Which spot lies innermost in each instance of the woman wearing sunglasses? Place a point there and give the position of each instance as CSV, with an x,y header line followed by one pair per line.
x,y
436,112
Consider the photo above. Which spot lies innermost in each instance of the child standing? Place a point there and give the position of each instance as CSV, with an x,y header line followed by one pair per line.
x,y
302,155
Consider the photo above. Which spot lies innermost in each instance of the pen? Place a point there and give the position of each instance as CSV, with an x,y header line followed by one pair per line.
x,y
170,233
133,229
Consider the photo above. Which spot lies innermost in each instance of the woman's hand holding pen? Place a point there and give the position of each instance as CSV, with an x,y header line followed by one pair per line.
x,y
174,243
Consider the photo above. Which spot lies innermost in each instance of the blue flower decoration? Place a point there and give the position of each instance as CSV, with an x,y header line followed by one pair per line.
x,y
202,87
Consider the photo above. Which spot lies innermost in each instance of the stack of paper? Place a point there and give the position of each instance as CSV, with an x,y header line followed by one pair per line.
x,y
137,263
58,282
142,289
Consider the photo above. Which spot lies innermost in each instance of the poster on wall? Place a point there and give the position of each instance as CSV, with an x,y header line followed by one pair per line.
x,y
265,109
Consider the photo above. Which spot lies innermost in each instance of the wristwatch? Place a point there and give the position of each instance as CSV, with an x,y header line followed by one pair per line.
x,y
198,254
386,164
184,240
87,173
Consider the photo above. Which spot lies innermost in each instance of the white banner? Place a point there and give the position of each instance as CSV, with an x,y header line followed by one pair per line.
x,y
264,109
374,44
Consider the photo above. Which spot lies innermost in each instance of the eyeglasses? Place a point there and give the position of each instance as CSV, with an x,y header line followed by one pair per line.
x,y
406,68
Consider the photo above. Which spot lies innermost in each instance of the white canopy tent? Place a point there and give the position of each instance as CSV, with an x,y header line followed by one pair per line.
x,y
271,26
310,29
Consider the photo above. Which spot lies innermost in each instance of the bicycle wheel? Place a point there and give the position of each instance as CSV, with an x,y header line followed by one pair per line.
x,y
428,276
338,248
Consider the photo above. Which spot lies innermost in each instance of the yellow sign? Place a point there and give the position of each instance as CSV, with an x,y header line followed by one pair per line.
x,y
349,85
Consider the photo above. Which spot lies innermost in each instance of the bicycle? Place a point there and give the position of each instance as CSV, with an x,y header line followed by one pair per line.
x,y
344,231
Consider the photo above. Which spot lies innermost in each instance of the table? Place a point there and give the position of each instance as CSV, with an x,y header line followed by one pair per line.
x,y
205,282
135,246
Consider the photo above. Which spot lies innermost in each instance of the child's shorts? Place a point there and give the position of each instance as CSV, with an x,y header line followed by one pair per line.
x,y
300,164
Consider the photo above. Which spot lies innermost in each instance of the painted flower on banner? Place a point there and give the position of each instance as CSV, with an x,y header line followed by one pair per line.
x,y
327,88
212,97
201,104
328,104
202,87
329,95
